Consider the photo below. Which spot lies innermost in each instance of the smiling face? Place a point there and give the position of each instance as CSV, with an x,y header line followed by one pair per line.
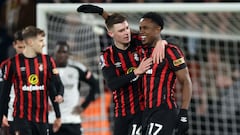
x,y
149,31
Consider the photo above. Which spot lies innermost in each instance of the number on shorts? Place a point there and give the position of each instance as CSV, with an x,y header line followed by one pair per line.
x,y
154,125
136,130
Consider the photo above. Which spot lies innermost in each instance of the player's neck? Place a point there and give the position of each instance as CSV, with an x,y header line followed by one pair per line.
x,y
29,53
154,43
122,46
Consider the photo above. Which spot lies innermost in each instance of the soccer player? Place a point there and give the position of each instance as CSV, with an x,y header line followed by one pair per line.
x,y
72,74
7,121
31,73
122,68
160,114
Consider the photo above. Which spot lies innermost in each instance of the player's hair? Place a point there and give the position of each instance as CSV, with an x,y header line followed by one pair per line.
x,y
31,31
156,18
62,44
18,36
114,19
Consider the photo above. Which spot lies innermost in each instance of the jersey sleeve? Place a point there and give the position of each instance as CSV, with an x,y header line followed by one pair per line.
x,y
55,78
87,76
52,94
113,80
7,75
175,57
93,82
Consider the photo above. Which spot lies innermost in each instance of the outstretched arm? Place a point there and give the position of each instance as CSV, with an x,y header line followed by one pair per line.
x,y
88,8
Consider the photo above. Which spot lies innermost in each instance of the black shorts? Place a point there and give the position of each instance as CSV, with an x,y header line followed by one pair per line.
x,y
67,129
160,121
25,127
128,125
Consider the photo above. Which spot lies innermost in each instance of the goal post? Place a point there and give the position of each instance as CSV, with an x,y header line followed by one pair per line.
x,y
208,33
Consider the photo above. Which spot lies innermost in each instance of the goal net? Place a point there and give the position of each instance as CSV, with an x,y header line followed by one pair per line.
x,y
208,33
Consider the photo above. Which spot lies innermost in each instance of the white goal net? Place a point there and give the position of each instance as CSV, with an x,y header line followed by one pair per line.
x,y
208,33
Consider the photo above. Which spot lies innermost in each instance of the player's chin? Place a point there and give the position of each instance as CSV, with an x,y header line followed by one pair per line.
x,y
144,42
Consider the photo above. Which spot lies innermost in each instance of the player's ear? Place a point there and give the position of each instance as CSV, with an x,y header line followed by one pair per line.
x,y
158,29
110,34
28,41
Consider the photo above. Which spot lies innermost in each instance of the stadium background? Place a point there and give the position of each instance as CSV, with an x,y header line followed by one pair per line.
x,y
210,41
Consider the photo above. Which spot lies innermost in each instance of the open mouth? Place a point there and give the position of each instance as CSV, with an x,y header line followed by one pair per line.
x,y
143,38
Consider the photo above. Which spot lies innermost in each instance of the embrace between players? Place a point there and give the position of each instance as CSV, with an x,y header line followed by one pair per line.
x,y
142,79
140,69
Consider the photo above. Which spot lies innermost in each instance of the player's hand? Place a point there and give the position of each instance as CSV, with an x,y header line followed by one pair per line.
x,y
182,122
77,110
158,53
5,121
57,124
90,9
59,99
143,66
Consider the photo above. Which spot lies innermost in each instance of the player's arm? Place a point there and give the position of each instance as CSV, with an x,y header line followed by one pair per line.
x,y
159,51
113,80
52,95
93,82
56,80
186,89
178,65
5,90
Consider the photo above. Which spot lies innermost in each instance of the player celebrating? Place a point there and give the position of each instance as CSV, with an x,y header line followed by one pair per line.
x,y
122,68
160,112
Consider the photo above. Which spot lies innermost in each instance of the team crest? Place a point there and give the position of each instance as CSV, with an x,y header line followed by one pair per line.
x,y
136,57
40,67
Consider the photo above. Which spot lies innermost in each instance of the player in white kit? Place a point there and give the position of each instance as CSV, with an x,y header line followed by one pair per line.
x,y
72,73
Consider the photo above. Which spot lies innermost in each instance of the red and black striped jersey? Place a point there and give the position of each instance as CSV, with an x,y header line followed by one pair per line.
x,y
159,81
31,78
117,66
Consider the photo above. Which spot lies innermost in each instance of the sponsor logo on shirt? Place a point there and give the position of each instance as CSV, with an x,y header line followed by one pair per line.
x,y
131,69
33,79
32,87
